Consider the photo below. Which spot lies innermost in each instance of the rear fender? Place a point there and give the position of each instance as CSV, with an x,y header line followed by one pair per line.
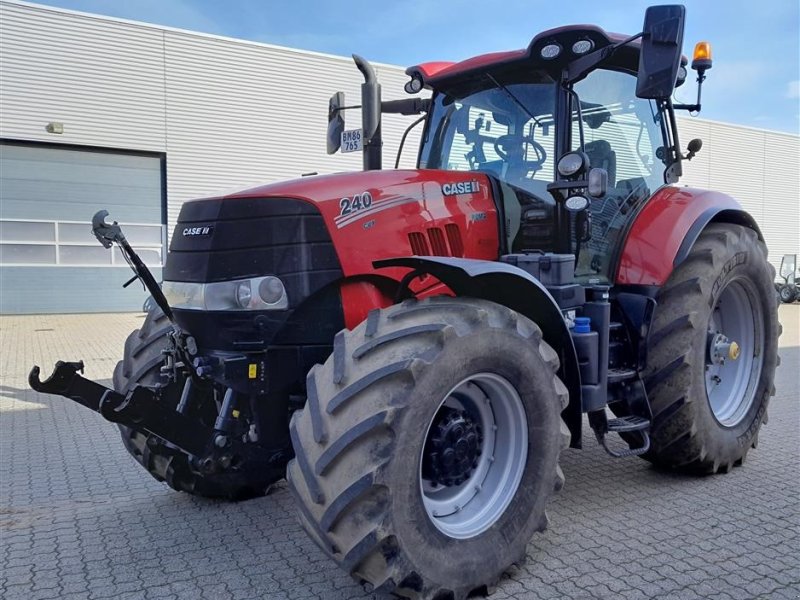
x,y
512,287
667,227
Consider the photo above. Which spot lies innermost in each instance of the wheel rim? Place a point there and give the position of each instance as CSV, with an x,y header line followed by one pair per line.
x,y
734,356
467,495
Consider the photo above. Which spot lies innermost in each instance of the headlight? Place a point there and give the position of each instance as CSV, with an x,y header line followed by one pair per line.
x,y
271,290
572,163
243,294
577,203
257,293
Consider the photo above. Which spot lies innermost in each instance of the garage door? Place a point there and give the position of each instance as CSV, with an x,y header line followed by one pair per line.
x,y
49,260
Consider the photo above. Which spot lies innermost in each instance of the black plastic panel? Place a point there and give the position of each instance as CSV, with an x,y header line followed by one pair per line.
x,y
249,237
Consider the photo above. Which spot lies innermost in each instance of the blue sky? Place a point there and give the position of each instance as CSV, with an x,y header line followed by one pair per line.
x,y
755,80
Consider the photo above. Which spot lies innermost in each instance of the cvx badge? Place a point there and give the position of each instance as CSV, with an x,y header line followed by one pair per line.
x,y
462,187
198,231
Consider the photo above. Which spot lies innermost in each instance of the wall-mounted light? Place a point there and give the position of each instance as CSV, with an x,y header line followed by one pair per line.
x,y
54,127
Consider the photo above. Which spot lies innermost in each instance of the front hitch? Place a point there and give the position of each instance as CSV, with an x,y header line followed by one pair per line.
x,y
144,410
66,382
139,409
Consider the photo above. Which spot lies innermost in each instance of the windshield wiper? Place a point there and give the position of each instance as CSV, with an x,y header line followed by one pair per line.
x,y
514,98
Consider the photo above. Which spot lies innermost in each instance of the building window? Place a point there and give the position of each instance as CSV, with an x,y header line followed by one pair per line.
x,y
29,243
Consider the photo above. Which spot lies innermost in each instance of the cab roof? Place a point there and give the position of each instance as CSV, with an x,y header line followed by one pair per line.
x,y
437,75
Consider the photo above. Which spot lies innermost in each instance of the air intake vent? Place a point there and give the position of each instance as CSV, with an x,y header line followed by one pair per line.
x,y
438,245
419,245
454,239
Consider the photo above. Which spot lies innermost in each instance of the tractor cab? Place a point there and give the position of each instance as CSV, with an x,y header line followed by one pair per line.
x,y
512,131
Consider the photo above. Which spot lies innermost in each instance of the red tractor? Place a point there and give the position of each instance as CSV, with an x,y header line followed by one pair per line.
x,y
413,349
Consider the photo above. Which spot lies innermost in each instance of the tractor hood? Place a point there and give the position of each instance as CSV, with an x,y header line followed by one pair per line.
x,y
317,233
381,214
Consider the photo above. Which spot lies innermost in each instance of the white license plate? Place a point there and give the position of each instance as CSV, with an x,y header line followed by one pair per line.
x,y
352,141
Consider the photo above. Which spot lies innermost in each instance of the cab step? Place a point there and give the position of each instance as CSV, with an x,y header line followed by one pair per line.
x,y
620,375
602,426
629,423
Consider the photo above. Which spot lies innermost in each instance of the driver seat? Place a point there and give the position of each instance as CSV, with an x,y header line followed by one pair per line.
x,y
601,156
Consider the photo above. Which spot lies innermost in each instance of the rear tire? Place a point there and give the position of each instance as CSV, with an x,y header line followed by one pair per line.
x,y
361,443
707,415
141,364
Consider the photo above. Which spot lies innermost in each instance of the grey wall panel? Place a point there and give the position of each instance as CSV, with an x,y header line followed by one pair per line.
x,y
56,184
53,183
44,290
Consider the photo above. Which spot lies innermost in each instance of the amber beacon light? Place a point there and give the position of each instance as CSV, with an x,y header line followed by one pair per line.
x,y
702,56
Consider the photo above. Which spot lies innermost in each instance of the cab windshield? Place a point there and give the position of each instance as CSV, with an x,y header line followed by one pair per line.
x,y
508,132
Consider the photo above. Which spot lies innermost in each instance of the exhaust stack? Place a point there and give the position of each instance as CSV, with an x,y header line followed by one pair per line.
x,y
370,115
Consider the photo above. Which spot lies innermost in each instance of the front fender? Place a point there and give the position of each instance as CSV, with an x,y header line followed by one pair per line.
x,y
518,290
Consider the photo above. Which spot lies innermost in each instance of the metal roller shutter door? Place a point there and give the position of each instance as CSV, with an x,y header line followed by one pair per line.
x,y
49,260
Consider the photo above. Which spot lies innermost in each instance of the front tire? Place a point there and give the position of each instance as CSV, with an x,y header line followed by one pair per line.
x,y
140,365
709,397
787,294
374,486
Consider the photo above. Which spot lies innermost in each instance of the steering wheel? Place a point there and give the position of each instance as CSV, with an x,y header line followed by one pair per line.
x,y
511,148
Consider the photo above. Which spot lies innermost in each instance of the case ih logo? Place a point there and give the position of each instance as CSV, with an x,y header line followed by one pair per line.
x,y
462,187
197,231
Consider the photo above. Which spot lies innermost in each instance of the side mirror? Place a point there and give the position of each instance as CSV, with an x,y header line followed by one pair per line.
x,y
660,56
694,147
335,122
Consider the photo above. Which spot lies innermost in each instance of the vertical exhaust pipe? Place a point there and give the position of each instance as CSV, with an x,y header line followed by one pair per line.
x,y
370,115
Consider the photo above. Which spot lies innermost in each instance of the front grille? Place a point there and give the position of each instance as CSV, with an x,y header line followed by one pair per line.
x,y
454,239
438,244
236,238
435,243
249,237
419,245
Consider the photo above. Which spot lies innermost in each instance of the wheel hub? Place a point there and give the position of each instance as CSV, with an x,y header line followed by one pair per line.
x,y
720,348
734,352
452,449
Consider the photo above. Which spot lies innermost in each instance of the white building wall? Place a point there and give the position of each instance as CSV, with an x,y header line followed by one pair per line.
x,y
757,167
103,79
240,114
230,113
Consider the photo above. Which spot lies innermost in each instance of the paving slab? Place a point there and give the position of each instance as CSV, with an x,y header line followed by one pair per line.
x,y
80,520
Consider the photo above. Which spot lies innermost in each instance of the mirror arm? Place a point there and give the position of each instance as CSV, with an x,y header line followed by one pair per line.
x,y
579,67
406,106
701,77
335,110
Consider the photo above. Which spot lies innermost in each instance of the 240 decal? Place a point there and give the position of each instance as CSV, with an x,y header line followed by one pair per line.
x,y
348,206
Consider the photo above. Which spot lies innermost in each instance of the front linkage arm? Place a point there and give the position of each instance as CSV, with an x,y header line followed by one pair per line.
x,y
109,234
